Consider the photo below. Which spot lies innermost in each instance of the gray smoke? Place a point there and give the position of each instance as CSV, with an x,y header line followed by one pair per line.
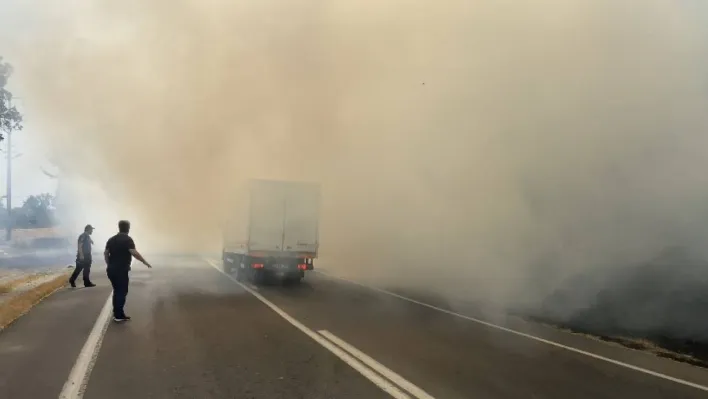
x,y
488,149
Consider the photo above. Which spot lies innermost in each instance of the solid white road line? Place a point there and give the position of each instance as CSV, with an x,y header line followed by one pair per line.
x,y
525,335
379,381
376,366
79,375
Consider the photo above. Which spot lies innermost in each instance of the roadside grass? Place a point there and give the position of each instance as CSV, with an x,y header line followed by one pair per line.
x,y
9,286
656,348
17,305
653,346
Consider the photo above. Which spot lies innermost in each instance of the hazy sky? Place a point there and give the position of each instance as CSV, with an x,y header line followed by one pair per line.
x,y
17,19
28,178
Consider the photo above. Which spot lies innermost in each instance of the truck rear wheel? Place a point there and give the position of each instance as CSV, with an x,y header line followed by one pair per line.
x,y
240,273
228,269
257,276
227,263
238,269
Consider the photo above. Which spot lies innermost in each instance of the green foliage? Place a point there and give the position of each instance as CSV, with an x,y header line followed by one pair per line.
x,y
36,212
10,118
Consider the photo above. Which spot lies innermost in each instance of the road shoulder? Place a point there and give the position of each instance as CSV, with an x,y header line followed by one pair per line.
x,y
38,350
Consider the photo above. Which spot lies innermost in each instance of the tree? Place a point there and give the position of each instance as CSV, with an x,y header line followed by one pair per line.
x,y
36,212
10,117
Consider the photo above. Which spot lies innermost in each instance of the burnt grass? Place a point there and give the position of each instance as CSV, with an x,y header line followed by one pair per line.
x,y
660,306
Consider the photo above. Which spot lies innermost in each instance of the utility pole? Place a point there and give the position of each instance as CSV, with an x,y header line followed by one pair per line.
x,y
10,222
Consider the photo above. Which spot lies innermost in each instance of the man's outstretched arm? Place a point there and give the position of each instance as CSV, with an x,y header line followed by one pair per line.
x,y
139,257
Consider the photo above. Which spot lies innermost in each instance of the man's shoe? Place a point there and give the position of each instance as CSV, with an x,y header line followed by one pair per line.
x,y
89,285
73,284
121,319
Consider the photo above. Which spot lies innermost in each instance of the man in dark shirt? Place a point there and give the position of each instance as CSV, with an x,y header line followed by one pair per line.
x,y
119,253
83,258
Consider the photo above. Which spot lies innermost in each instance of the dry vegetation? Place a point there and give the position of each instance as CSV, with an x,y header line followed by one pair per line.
x,y
7,287
646,345
19,304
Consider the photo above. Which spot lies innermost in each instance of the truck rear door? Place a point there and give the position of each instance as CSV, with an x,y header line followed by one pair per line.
x,y
301,227
267,213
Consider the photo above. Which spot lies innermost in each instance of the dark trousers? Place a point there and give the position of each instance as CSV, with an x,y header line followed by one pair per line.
x,y
119,281
85,266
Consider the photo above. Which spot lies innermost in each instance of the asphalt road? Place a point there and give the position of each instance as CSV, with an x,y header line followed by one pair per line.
x,y
196,333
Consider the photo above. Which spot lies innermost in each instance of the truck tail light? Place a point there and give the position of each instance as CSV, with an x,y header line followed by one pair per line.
x,y
302,267
257,265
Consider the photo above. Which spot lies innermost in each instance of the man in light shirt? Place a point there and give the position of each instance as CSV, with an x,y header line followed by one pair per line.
x,y
83,258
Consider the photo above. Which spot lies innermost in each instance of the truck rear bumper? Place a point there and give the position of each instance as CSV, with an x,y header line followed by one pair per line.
x,y
272,263
283,274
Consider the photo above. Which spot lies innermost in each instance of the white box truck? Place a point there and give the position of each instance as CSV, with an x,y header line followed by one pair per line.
x,y
273,231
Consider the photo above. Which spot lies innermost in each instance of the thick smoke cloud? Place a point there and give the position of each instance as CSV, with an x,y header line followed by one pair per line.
x,y
487,149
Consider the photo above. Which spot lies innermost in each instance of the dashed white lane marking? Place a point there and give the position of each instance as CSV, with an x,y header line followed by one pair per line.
x,y
78,377
381,382
525,335
376,366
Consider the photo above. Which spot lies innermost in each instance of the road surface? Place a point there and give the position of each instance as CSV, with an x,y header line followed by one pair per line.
x,y
196,333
